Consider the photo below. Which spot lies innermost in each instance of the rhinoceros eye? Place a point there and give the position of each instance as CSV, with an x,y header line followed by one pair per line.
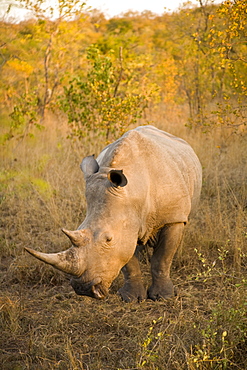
x,y
108,238
105,237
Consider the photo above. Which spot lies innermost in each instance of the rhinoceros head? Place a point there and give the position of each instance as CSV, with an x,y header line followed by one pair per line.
x,y
105,241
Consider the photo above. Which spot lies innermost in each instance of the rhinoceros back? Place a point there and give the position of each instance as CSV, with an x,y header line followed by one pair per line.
x,y
163,172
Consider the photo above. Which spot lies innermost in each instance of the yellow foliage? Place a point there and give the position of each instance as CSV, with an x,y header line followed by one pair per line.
x,y
42,187
20,66
20,182
167,70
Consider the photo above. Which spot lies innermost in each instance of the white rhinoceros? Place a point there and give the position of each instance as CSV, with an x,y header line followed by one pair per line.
x,y
141,189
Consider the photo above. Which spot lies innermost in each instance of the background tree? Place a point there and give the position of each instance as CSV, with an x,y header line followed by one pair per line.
x,y
41,35
105,101
195,56
227,39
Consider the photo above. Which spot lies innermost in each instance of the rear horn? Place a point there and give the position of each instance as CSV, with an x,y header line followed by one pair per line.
x,y
77,237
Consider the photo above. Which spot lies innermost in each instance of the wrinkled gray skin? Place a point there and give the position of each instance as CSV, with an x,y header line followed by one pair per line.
x,y
141,189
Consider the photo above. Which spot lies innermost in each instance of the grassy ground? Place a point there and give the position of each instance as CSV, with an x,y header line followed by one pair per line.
x,y
44,325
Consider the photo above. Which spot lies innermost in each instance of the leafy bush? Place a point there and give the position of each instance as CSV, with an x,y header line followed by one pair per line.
x,y
98,103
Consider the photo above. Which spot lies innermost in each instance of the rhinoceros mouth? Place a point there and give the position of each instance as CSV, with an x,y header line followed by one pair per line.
x,y
94,288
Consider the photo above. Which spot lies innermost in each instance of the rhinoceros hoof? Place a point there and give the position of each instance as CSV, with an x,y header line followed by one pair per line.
x,y
133,291
161,290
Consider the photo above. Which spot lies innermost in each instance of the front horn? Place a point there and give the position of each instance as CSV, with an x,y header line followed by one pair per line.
x,y
67,261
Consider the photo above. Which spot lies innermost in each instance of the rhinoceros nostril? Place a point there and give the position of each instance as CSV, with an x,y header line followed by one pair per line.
x,y
84,288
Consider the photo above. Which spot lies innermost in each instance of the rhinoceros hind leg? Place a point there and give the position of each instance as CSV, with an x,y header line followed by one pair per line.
x,y
168,241
133,289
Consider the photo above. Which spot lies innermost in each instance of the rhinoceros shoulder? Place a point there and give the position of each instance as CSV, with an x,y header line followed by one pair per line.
x,y
143,141
120,148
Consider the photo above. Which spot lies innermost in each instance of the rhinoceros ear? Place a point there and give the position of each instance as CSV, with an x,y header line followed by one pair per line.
x,y
89,165
117,178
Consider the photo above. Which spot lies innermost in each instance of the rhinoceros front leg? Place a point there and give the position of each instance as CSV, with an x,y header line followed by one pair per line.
x,y
168,241
133,289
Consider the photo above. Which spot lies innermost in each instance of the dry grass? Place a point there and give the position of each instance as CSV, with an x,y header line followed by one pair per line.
x,y
44,325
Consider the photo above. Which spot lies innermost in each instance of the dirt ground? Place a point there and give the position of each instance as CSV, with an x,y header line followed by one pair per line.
x,y
45,325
